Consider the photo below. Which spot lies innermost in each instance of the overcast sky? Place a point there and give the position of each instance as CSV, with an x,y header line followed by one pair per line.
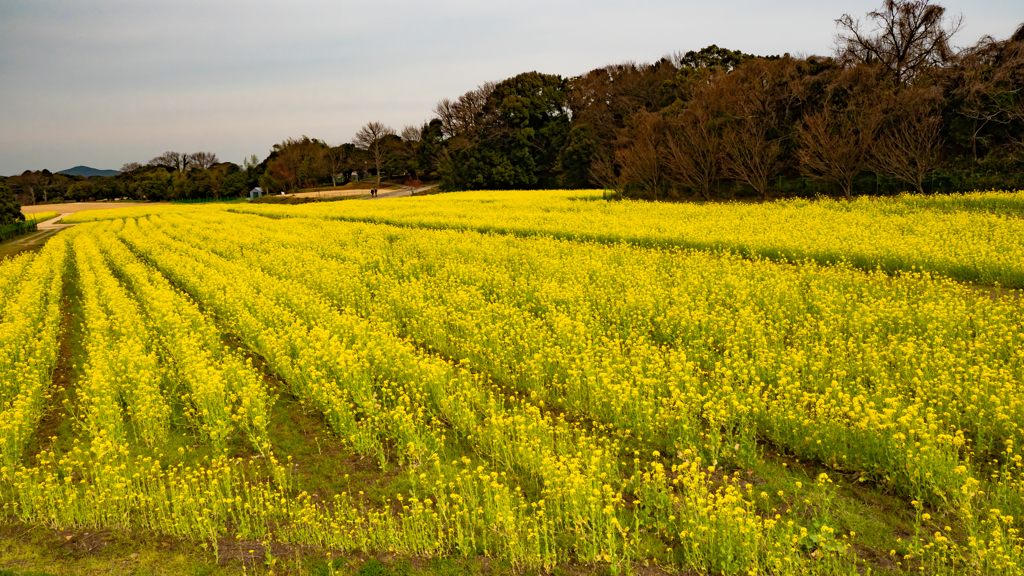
x,y
102,83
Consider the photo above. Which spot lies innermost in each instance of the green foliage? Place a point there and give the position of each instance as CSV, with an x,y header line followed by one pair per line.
x,y
10,210
525,123
717,59
80,190
487,166
373,567
155,185
429,147
574,158
234,184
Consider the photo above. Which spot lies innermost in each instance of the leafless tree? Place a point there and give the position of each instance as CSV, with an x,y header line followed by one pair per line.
x,y
130,167
909,147
642,160
904,36
988,80
175,160
465,114
676,58
412,133
835,144
373,138
202,160
335,159
696,149
753,154
761,94
605,172
32,183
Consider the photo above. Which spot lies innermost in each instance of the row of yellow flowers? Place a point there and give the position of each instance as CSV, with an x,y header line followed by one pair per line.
x,y
591,384
966,245
376,390
963,236
523,318
906,378
29,326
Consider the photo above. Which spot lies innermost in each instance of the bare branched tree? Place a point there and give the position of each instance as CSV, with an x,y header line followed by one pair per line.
x,y
412,133
835,144
32,183
373,138
904,36
175,160
696,148
130,167
202,160
642,161
334,160
988,81
464,115
763,93
604,171
909,147
752,152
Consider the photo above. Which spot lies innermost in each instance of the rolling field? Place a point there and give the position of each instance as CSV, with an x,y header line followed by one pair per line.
x,y
514,382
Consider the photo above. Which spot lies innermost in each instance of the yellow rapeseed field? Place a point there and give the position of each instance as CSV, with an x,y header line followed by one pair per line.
x,y
553,378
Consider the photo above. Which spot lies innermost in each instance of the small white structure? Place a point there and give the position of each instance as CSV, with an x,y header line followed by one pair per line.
x,y
255,193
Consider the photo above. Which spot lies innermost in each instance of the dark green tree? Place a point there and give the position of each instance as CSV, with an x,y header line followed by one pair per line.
x,y
155,185
575,157
715,58
80,191
520,131
108,188
234,184
428,149
10,210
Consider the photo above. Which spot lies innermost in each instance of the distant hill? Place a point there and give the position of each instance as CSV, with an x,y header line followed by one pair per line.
x,y
86,171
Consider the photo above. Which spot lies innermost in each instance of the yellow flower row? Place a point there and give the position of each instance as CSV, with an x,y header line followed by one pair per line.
x,y
579,475
29,328
685,349
869,234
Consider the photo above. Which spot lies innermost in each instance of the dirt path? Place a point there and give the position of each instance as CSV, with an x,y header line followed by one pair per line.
x,y
400,193
72,207
48,228
35,240
331,193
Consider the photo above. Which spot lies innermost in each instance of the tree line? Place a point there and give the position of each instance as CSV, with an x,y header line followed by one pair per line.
x,y
292,164
896,107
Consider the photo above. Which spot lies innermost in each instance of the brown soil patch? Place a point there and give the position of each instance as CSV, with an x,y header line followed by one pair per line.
x,y
62,393
72,207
